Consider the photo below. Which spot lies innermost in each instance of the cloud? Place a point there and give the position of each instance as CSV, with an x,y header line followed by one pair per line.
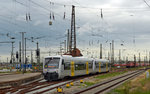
x,y
21,18
84,29
37,23
117,23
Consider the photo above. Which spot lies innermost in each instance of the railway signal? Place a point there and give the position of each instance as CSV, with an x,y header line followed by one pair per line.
x,y
17,55
38,55
20,54
38,52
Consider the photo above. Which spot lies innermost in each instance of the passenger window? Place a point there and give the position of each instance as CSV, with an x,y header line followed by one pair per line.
x,y
80,66
76,65
90,65
102,65
97,64
66,66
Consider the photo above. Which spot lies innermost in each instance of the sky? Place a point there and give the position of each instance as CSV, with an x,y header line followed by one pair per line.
x,y
124,21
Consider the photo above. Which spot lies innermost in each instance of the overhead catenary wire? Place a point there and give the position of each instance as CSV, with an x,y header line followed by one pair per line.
x,y
146,3
34,4
40,6
47,9
13,17
106,8
24,6
36,8
13,23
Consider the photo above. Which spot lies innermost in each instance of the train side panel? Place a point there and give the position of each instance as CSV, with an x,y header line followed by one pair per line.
x,y
101,65
75,66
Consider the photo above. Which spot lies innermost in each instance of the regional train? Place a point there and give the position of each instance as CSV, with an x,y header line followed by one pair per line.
x,y
58,67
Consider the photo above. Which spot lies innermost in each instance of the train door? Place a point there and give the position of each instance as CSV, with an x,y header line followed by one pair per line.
x,y
99,66
93,65
106,66
72,68
87,68
67,68
62,66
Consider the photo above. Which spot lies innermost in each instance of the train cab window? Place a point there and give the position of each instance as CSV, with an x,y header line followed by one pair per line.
x,y
52,63
62,61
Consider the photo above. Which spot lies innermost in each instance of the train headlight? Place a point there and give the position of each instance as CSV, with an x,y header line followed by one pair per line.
x,y
45,69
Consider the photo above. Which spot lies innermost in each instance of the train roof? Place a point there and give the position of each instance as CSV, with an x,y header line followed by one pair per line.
x,y
102,60
58,56
81,58
67,56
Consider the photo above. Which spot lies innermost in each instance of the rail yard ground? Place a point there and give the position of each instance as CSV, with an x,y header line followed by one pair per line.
x,y
139,85
90,81
17,78
76,86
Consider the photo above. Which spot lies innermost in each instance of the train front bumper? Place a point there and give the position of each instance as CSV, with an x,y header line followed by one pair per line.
x,y
51,76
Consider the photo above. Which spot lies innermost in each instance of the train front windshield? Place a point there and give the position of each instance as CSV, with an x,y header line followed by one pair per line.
x,y
52,63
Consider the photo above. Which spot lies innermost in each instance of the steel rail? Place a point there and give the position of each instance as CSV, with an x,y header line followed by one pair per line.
x,y
106,82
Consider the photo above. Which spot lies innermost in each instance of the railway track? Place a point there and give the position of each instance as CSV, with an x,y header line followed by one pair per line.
x,y
41,86
104,87
7,74
13,89
48,89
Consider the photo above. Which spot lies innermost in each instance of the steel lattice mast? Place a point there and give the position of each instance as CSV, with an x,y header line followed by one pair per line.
x,y
72,44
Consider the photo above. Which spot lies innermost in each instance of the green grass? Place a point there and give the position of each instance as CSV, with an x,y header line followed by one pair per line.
x,y
109,75
144,81
141,86
126,91
89,84
141,92
4,72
